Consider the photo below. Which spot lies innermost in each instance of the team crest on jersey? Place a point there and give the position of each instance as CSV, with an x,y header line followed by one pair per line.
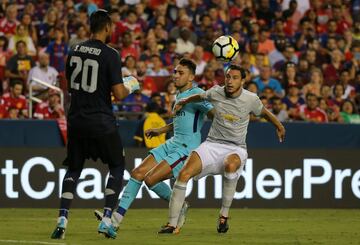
x,y
230,119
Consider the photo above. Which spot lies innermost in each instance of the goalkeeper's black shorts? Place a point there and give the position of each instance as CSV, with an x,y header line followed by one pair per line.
x,y
108,148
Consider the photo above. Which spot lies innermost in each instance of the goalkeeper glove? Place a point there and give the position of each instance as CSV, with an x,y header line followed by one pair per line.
x,y
131,84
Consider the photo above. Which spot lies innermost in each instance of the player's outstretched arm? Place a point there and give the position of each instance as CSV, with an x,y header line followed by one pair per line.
x,y
280,129
192,98
158,131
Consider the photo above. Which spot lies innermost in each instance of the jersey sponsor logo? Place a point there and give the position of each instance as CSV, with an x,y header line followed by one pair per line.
x,y
180,113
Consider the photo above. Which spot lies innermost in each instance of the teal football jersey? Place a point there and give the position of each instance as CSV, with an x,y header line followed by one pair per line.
x,y
189,120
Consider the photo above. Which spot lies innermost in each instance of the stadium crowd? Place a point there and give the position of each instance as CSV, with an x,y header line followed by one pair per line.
x,y
302,57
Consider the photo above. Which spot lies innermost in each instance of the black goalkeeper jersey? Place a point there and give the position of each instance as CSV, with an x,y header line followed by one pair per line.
x,y
92,68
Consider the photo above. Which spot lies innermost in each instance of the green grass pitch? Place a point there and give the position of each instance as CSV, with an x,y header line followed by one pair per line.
x,y
247,226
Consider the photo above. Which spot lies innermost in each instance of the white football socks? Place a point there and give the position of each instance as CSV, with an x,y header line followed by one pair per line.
x,y
228,190
176,202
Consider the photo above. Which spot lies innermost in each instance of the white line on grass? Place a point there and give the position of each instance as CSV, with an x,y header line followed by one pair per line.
x,y
31,242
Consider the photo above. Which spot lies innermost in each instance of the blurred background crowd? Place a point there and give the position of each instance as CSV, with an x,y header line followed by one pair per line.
x,y
302,57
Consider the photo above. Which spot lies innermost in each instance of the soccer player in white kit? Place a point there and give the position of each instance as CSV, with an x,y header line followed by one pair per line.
x,y
224,150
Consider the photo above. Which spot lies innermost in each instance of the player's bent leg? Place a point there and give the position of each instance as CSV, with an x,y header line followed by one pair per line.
x,y
231,164
154,179
191,168
140,171
132,188
130,191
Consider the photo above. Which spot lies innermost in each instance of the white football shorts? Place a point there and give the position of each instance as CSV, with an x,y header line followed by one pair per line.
x,y
213,154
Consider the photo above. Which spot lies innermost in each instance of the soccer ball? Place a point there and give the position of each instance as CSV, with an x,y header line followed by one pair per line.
x,y
225,48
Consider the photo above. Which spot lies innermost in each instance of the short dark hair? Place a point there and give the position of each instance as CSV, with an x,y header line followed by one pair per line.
x,y
98,20
238,68
310,95
15,82
19,42
189,64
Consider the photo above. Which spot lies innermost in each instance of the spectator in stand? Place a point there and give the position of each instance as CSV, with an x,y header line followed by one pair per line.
x,y
136,102
256,58
268,93
112,4
51,109
310,112
198,58
265,80
332,70
81,36
264,13
159,100
128,47
277,109
168,54
13,113
289,57
161,35
349,113
152,120
141,69
303,71
183,43
277,54
326,93
9,22
19,65
15,99
129,68
292,14
252,87
278,30
150,48
208,77
266,45
310,56
46,28
156,67
316,81
237,31
58,51
29,27
4,56
3,112
321,53
132,25
293,101
342,17
43,72
205,22
330,32
289,76
219,18
338,94
23,35
142,16
350,92
332,112
169,95
305,32
183,22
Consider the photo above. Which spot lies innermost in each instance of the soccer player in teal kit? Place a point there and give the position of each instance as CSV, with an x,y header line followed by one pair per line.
x,y
166,161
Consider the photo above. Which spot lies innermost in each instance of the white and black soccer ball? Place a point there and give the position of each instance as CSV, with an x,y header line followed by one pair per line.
x,y
225,48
